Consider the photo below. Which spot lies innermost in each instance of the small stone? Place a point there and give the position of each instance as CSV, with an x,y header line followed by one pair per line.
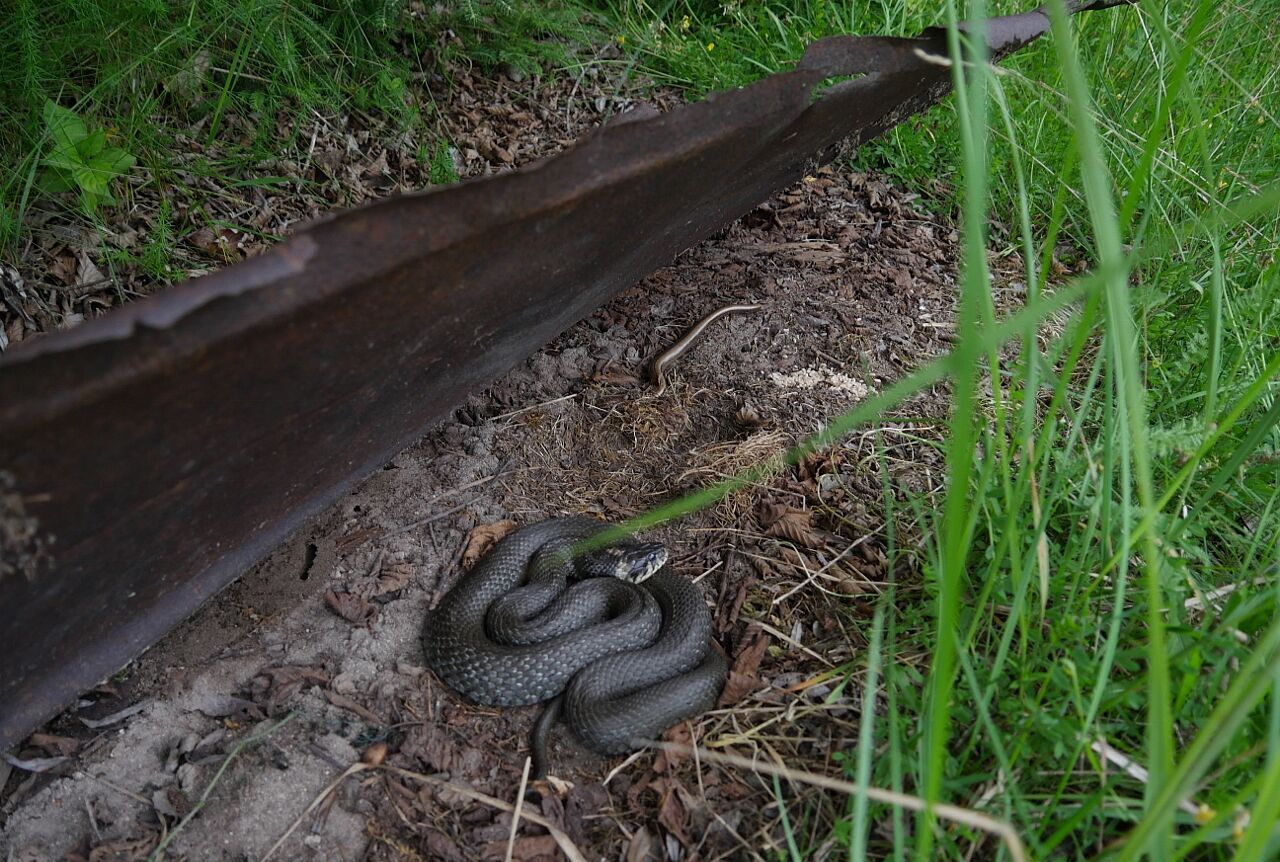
x,y
375,754
343,684
188,778
405,668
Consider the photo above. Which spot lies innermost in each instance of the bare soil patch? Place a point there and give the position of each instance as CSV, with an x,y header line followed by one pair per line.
x,y
856,288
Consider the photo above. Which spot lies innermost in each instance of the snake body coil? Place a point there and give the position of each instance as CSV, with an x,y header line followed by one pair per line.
x,y
640,662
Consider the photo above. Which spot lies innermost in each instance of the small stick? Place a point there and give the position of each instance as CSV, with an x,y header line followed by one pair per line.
x,y
667,356
515,815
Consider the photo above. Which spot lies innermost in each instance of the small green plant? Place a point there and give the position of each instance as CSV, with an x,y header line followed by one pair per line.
x,y
440,159
80,160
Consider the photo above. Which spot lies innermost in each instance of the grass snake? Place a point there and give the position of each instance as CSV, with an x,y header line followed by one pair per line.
x,y
616,640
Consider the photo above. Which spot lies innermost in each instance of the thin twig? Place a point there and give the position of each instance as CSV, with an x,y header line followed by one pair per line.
x,y
613,773
431,518
534,407
1135,770
351,770
795,643
137,797
515,816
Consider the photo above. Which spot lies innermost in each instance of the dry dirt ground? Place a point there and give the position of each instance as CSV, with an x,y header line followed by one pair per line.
x,y
249,711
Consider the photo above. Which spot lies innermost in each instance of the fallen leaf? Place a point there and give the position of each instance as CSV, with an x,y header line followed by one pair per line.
x,y
482,538
35,764
57,745
733,592
794,525
393,579
115,717
524,849
63,267
440,846
88,274
671,814
274,686
350,607
124,849
351,706
224,243
668,760
746,662
641,845
581,805
378,167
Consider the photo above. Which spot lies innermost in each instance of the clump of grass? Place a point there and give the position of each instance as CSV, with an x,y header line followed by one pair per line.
x,y
1099,489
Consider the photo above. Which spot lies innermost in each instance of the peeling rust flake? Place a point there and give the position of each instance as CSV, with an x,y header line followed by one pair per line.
x,y
173,442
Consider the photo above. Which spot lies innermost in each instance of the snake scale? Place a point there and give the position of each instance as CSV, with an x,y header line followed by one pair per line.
x,y
619,661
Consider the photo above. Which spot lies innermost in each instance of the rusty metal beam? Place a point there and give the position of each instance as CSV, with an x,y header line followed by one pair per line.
x,y
167,446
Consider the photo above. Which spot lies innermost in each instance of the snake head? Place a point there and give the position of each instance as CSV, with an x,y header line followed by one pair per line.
x,y
635,561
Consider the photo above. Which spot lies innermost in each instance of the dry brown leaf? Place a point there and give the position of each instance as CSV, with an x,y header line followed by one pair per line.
x,y
482,538
88,273
124,850
672,813
56,745
525,849
275,685
378,167
581,806
796,525
735,790
743,678
63,267
668,759
350,705
205,240
223,243
437,845
391,580
733,595
641,845
351,607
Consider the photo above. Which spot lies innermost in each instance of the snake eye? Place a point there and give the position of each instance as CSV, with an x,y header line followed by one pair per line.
x,y
652,558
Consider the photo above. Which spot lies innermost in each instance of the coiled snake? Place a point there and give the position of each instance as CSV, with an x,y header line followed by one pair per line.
x,y
532,621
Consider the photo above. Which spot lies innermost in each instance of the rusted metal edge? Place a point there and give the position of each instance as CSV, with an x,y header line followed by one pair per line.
x,y
167,446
